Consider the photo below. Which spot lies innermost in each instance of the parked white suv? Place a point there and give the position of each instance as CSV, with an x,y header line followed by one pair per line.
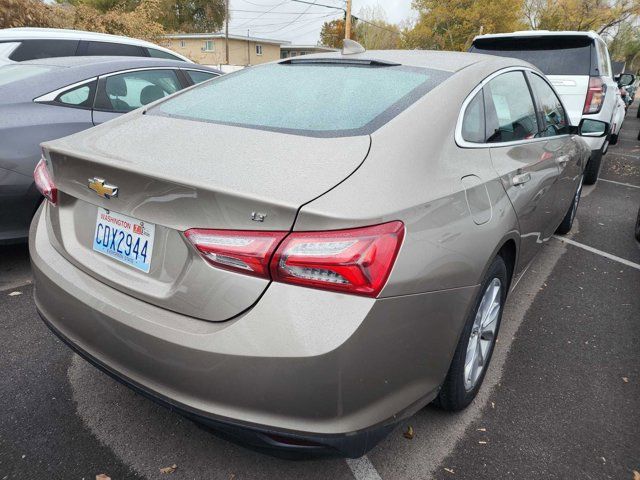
x,y
579,67
20,44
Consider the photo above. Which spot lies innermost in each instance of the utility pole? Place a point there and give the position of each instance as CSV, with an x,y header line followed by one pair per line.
x,y
226,32
347,21
248,49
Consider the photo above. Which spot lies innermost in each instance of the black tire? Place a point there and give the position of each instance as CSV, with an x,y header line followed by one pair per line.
x,y
453,395
567,221
613,139
638,227
638,113
592,170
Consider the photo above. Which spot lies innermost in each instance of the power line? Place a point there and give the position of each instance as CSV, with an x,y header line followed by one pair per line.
x,y
374,25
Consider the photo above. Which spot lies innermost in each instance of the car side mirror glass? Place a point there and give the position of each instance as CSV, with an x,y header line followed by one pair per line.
x,y
626,79
592,128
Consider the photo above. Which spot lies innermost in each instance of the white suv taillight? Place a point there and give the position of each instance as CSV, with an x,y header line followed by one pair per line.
x,y
595,95
44,182
356,261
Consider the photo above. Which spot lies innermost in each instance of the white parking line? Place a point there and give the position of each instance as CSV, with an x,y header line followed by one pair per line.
x,y
619,183
363,469
615,258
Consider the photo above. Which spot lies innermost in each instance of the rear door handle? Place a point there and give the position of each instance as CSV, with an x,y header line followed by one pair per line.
x,y
521,178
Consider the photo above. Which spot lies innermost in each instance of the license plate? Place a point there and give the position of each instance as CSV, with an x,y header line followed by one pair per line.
x,y
124,238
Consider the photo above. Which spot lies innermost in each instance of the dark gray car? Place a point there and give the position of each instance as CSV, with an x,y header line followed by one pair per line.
x,y
43,100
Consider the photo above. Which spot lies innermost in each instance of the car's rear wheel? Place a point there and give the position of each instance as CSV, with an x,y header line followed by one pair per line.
x,y
567,221
475,347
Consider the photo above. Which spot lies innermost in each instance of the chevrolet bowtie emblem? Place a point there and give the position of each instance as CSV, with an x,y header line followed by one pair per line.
x,y
103,190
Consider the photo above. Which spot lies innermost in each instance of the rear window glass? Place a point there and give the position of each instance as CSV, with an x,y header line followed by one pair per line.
x,y
305,99
15,73
552,55
107,48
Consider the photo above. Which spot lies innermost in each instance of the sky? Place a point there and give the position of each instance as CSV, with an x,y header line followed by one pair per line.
x,y
298,22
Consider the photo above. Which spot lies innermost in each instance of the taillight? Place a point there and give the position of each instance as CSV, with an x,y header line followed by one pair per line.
x,y
358,260
246,252
355,261
595,95
44,182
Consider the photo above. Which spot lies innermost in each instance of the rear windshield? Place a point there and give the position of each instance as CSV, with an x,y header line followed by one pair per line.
x,y
306,99
553,55
14,73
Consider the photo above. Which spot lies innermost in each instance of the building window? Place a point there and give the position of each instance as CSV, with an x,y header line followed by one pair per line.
x,y
258,49
294,54
183,43
209,46
284,54
303,53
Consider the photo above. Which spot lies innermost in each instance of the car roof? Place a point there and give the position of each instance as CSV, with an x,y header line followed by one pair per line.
x,y
31,33
541,33
434,59
71,70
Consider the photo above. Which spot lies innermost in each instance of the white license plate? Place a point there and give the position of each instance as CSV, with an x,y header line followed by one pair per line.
x,y
124,238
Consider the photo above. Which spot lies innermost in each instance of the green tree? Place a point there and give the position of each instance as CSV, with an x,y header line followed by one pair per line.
x,y
451,25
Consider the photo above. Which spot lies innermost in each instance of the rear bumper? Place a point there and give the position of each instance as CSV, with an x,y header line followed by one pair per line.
x,y
330,370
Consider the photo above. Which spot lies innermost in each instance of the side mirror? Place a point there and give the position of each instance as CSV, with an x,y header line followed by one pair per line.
x,y
626,79
592,128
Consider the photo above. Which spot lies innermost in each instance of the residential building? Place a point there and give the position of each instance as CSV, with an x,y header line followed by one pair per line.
x,y
289,50
209,48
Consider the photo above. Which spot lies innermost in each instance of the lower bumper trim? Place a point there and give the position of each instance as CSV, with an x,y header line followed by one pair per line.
x,y
280,443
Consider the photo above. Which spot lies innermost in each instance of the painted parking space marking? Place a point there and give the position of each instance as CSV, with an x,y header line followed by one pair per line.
x,y
615,258
619,183
363,469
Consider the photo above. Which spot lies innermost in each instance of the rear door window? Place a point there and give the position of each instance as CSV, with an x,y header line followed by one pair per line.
x,y
510,113
197,76
473,126
551,110
306,98
81,96
34,49
127,91
154,52
561,55
108,48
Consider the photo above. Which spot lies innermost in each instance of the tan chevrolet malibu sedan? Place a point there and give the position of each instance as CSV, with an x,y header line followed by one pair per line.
x,y
304,253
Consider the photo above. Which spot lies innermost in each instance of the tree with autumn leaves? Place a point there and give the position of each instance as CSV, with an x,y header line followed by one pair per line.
x,y
146,19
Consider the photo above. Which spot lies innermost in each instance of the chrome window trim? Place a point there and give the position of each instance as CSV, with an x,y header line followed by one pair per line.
x,y
140,69
51,96
461,142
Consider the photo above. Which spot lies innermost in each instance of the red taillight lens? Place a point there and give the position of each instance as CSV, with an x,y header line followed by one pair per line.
x,y
356,261
44,182
595,95
246,252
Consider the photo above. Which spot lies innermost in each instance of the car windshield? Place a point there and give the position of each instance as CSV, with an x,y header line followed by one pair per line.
x,y
563,55
317,99
14,73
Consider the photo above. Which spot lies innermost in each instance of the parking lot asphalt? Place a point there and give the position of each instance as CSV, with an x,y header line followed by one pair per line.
x,y
561,399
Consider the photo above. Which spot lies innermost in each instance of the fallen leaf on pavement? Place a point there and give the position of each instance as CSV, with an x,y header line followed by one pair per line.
x,y
102,476
482,442
170,469
408,433
625,379
636,475
482,429
450,470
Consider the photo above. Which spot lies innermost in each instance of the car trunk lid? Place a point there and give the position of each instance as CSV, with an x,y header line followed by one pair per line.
x,y
224,178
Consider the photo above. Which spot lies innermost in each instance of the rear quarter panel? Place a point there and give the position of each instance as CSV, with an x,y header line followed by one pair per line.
x,y
414,173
